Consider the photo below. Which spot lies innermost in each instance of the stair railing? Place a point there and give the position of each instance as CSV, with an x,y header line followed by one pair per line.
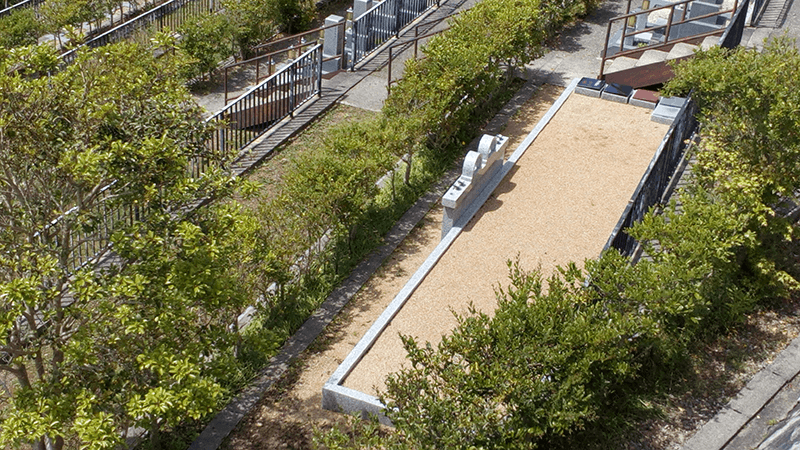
x,y
670,23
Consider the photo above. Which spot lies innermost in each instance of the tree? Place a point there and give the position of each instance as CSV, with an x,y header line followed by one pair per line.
x,y
207,39
19,28
749,153
91,155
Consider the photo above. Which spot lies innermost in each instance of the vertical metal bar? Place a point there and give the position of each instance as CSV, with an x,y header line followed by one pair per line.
x,y
292,88
319,71
624,30
605,51
353,46
669,23
389,81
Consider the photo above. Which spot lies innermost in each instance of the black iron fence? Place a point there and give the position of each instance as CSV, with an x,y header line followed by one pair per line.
x,y
758,8
19,6
270,101
732,36
656,178
382,22
238,125
168,16
88,241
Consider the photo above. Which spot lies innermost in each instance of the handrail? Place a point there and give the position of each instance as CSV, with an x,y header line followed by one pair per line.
x,y
271,56
416,40
267,103
20,5
154,16
295,37
668,28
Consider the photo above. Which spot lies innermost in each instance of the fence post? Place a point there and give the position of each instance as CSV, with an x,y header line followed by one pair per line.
x,y
292,76
319,71
353,46
397,19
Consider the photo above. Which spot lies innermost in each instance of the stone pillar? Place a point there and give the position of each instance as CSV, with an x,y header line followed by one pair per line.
x,y
360,7
333,44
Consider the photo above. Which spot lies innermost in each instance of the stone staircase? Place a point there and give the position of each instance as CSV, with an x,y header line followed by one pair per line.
x,y
651,66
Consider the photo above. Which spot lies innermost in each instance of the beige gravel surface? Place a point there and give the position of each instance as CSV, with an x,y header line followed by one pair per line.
x,y
288,413
558,205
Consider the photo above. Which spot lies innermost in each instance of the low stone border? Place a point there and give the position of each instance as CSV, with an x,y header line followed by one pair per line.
x,y
340,398
749,402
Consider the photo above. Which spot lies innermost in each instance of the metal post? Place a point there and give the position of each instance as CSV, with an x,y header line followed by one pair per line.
x,y
669,24
605,51
353,46
319,71
291,88
397,21
389,81
225,82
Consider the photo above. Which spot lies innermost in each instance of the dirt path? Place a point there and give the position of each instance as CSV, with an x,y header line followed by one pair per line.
x,y
290,411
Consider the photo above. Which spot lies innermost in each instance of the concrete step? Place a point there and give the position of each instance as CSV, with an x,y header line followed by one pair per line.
x,y
680,50
651,56
756,40
619,64
710,41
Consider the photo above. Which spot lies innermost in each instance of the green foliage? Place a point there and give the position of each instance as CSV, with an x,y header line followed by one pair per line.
x,y
19,28
207,39
258,20
544,364
97,351
439,95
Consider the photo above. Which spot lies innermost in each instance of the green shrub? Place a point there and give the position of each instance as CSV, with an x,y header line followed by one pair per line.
x,y
19,28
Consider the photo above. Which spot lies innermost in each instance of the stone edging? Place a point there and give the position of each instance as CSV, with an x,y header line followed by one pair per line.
x,y
227,419
337,397
747,404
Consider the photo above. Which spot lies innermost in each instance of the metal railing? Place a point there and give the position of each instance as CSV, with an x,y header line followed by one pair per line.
x,y
88,241
758,9
20,6
656,178
170,15
682,6
239,124
732,36
282,50
270,101
381,23
417,38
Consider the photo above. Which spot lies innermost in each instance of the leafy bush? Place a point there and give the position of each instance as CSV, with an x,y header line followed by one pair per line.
x,y
206,39
19,28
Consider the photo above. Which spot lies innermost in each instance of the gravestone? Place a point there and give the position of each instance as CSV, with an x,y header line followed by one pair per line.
x,y
477,174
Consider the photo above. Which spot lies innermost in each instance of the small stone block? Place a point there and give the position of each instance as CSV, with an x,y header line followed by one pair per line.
x,y
644,98
590,86
664,114
616,93
675,102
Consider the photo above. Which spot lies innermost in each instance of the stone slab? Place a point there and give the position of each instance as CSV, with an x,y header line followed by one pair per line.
x,y
664,114
675,102
590,86
616,93
644,98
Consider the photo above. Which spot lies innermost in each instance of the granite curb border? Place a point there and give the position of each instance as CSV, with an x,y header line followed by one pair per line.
x,y
749,402
337,397
226,420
